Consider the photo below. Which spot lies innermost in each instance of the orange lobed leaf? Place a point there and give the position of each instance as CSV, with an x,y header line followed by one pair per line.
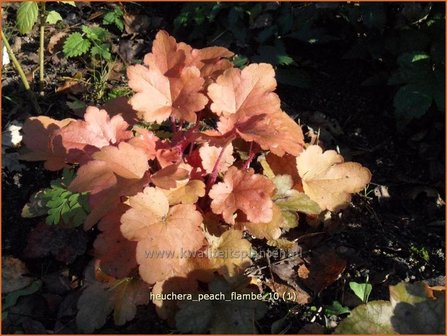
x,y
170,57
115,253
81,138
270,230
209,155
102,201
145,140
246,191
247,92
125,160
160,229
166,55
276,132
159,97
328,180
37,134
171,176
248,107
210,61
186,193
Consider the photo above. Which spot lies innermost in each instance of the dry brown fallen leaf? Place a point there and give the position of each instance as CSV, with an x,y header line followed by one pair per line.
x,y
13,270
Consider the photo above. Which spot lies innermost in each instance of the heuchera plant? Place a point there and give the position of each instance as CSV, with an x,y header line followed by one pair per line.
x,y
169,174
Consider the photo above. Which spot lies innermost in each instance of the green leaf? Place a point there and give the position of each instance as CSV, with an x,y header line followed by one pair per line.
x,y
11,299
68,175
27,16
240,61
102,50
53,17
298,201
371,318
361,290
336,308
114,17
413,309
95,33
75,45
412,101
71,3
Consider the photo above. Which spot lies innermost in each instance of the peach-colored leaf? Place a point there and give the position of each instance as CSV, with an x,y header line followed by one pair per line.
x,y
209,155
38,132
93,177
210,61
247,92
328,180
145,140
230,253
276,132
125,160
153,96
246,191
270,230
147,208
164,234
165,55
170,176
159,97
115,253
187,193
96,131
105,201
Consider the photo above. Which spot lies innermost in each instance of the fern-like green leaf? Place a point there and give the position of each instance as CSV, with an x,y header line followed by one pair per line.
x,y
27,16
63,206
76,45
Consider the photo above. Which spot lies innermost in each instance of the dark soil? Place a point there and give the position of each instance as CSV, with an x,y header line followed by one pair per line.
x,y
384,238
